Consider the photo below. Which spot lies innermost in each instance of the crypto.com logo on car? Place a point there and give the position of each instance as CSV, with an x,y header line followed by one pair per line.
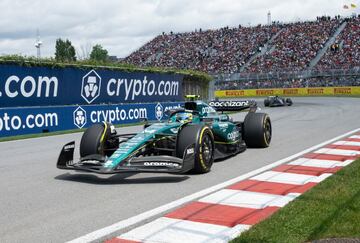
x,y
90,87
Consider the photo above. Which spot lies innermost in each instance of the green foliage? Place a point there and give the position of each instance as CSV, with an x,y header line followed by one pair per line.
x,y
99,54
189,75
64,51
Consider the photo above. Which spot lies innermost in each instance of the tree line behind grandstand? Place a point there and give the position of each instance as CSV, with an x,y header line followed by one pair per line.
x,y
88,63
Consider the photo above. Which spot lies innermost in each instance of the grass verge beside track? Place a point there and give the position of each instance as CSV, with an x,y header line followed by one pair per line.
x,y
329,210
38,135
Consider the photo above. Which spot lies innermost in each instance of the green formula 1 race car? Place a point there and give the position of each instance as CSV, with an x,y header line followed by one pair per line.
x,y
190,139
276,101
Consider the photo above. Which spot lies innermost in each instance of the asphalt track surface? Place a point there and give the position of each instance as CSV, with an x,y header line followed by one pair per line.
x,y
39,203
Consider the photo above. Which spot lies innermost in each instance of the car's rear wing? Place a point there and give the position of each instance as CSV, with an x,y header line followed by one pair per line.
x,y
233,105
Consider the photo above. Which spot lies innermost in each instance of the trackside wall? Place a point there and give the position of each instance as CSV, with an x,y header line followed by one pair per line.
x,y
45,86
317,91
30,120
36,98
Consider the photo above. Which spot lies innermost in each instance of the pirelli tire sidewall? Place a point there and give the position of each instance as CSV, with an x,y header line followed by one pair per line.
x,y
93,139
257,130
197,135
202,163
288,101
266,102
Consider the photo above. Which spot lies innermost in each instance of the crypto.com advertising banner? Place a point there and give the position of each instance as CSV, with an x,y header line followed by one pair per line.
x,y
44,86
28,120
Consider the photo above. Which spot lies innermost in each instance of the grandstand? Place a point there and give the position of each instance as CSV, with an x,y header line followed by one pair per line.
x,y
295,46
213,51
346,53
324,52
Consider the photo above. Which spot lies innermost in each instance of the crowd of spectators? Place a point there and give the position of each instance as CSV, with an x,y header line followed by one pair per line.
x,y
223,50
288,47
293,83
296,45
345,52
226,50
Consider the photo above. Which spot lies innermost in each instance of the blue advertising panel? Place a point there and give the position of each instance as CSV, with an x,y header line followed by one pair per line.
x,y
45,86
29,120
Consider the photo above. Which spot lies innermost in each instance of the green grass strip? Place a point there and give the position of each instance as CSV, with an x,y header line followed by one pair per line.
x,y
39,135
329,210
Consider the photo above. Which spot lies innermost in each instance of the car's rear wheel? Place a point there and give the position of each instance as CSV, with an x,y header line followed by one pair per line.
x,y
203,140
266,102
289,101
257,130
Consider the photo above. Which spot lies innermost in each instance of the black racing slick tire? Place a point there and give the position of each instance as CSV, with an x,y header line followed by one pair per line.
x,y
93,140
203,139
289,101
266,102
257,130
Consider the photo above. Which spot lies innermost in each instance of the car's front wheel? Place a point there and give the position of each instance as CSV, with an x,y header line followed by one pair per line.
x,y
203,140
98,139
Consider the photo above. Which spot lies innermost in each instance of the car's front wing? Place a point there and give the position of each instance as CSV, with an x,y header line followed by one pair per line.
x,y
150,164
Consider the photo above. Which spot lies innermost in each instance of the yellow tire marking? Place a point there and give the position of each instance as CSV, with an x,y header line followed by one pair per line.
x,y
104,132
200,154
264,125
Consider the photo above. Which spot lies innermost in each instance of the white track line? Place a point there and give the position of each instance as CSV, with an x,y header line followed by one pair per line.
x,y
98,234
